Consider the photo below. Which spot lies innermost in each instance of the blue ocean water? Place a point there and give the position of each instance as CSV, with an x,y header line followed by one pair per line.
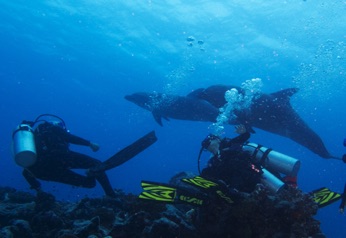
x,y
78,59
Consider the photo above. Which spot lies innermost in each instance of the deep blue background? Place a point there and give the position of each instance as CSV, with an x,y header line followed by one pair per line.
x,y
79,60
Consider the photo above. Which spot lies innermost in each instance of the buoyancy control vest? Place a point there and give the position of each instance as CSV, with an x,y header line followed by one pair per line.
x,y
50,139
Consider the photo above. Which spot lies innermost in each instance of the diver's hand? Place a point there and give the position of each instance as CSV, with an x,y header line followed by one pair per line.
x,y
95,147
240,129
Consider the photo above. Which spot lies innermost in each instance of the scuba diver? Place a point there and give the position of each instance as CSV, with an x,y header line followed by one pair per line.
x,y
240,171
54,160
230,163
243,165
234,178
44,154
232,184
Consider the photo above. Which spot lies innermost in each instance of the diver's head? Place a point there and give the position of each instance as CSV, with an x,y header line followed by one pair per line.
x,y
211,143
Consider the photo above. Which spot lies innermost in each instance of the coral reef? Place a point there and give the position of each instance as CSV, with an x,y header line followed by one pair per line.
x,y
259,214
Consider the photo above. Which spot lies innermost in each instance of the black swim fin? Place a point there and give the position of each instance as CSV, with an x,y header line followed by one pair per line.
x,y
324,196
127,153
170,194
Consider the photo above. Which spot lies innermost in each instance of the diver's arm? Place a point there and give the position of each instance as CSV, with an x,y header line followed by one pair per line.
x,y
80,141
244,135
242,138
239,140
76,140
73,139
70,138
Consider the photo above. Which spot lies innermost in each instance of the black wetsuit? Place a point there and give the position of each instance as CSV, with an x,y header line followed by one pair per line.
x,y
55,160
233,165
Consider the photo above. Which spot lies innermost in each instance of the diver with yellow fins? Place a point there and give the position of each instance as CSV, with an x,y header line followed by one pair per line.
x,y
236,168
240,163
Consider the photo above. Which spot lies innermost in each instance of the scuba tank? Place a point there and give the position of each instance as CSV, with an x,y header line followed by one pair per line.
x,y
24,149
273,184
273,160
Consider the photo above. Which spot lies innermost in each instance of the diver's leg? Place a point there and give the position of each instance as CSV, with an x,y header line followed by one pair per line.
x,y
74,160
80,161
56,167
105,184
69,177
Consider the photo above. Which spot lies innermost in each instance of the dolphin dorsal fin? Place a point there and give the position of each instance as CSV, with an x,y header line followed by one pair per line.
x,y
285,94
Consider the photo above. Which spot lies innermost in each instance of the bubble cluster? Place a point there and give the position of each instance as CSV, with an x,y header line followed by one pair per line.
x,y
157,100
236,100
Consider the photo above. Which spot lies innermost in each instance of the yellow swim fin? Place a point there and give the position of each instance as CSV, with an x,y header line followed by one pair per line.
x,y
166,193
324,196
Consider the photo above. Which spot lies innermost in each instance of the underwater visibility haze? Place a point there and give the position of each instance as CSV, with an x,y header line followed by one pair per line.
x,y
79,59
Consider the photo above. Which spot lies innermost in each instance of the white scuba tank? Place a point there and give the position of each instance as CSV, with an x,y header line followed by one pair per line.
x,y
273,160
273,184
24,150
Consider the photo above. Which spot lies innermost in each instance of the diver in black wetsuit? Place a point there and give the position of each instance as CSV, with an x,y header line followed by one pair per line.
x,y
55,160
230,163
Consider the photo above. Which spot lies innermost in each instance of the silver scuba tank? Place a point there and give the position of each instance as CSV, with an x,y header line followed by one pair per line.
x,y
273,160
24,150
273,184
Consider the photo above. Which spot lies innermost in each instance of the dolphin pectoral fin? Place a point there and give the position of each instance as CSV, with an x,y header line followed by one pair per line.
x,y
158,119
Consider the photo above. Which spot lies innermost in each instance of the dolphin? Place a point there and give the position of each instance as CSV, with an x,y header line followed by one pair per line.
x,y
172,106
270,112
